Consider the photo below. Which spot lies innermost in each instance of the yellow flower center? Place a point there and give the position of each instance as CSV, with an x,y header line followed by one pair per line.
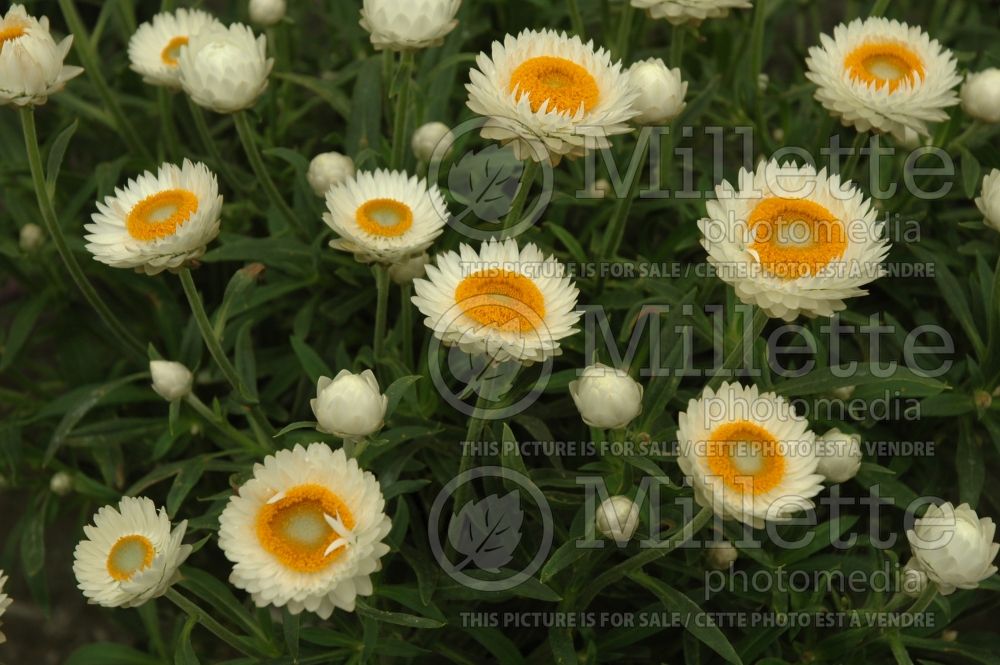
x,y
12,33
501,299
159,215
128,556
387,218
795,237
294,528
746,457
884,64
562,83
171,52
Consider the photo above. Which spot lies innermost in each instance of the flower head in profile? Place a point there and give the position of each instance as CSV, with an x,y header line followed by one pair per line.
x,y
154,50
410,25
954,547
988,200
349,405
31,62
883,75
306,531
661,92
748,455
606,397
225,69
549,95
679,12
5,602
793,241
503,302
981,95
157,221
130,554
385,216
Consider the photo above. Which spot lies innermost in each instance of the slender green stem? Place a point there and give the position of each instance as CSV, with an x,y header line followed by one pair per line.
x,y
879,8
149,613
616,228
381,311
576,19
400,139
47,209
898,649
222,424
85,50
739,347
959,141
513,217
406,322
855,156
473,432
924,600
205,619
263,175
677,33
757,61
218,162
624,30
171,140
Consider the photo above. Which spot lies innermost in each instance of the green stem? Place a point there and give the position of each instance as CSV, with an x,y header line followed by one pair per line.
x,y
513,217
959,141
400,139
151,621
473,432
879,8
172,143
898,649
739,350
205,619
218,162
924,600
125,338
616,228
757,61
262,173
406,322
855,156
381,311
677,45
85,50
576,19
222,425
624,30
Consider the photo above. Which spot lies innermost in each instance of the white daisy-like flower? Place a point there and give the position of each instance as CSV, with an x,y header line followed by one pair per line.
x,y
988,201
306,531
503,302
225,69
884,75
410,25
5,602
157,221
748,455
384,216
550,95
130,554
31,62
954,547
793,241
679,12
154,50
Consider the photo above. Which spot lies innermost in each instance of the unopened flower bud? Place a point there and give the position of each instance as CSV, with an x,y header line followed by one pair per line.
x,y
432,140
617,518
171,380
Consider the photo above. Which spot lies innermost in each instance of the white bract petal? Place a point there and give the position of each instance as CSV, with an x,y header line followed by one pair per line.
x,y
954,547
225,69
5,601
607,398
31,62
350,406
408,25
661,92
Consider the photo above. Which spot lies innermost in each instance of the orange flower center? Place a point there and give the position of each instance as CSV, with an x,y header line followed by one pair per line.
x,y
128,556
387,218
565,85
172,50
795,237
159,215
13,33
746,457
884,64
294,529
501,299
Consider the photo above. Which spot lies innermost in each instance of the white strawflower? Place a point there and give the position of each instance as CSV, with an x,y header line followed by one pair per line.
x,y
722,555
954,546
502,301
661,92
409,269
988,201
793,241
679,12
607,397
327,170
31,238
748,455
981,95
130,554
306,531
171,380
549,95
5,602
350,406
385,216
405,25
880,74
838,455
158,221
31,63
61,483
267,12
617,518
428,137
154,50
225,69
